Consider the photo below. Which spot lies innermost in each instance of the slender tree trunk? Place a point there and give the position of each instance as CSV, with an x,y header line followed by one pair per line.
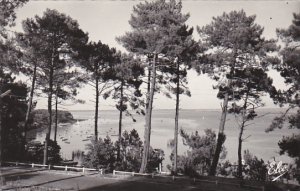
x,y
120,120
240,165
176,119
148,85
2,178
96,109
221,137
56,114
30,102
1,145
244,118
147,133
221,134
45,160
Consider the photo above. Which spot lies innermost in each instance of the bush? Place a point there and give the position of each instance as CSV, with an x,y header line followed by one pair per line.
x,y
199,157
102,154
130,151
255,169
35,152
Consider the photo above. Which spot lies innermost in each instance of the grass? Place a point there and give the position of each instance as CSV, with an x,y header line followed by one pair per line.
x,y
22,180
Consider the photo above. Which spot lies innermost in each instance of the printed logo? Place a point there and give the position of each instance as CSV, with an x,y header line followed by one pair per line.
x,y
277,169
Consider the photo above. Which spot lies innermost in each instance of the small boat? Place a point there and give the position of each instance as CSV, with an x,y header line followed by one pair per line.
x,y
67,142
85,139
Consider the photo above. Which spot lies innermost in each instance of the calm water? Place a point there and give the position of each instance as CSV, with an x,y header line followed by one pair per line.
x,y
263,145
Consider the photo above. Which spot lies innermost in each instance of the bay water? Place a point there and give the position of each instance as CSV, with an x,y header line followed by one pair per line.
x,y
261,144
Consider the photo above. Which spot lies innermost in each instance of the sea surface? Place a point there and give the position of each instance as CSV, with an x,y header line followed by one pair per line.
x,y
263,145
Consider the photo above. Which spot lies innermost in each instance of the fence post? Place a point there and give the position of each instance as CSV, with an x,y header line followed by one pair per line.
x,y
32,165
66,168
83,170
114,172
49,167
173,177
132,173
101,171
16,163
217,182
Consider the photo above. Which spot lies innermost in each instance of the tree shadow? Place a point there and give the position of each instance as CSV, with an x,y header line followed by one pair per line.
x,y
137,185
20,177
10,173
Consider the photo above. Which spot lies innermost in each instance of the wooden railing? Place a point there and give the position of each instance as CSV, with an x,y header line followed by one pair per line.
x,y
195,180
65,168
115,173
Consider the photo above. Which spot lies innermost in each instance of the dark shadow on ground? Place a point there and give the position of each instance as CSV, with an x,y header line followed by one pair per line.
x,y
57,180
23,176
143,186
8,173
162,184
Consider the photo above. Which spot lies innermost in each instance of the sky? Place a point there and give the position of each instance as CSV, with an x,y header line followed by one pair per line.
x,y
105,20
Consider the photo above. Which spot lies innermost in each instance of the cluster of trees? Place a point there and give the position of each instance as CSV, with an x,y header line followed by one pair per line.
x,y
289,70
12,93
59,58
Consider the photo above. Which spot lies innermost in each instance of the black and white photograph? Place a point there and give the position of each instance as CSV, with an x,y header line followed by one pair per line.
x,y
149,95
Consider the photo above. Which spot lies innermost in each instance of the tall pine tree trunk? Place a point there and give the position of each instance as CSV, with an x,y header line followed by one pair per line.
x,y
176,119
147,133
45,160
50,92
96,109
2,178
221,134
240,165
244,118
30,102
120,119
221,137
56,114
148,85
1,142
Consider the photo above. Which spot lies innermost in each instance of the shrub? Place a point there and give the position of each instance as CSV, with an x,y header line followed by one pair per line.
x,y
101,154
35,152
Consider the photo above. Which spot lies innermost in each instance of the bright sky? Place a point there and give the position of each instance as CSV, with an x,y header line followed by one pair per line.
x,y
105,20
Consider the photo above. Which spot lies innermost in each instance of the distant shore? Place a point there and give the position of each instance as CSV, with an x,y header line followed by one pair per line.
x,y
39,118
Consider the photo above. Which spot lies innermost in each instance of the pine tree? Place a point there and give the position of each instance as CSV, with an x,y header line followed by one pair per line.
x,y
180,56
65,88
233,41
289,70
7,61
98,60
53,31
249,85
153,27
127,75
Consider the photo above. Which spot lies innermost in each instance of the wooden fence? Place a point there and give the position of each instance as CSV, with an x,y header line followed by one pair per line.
x,y
195,180
55,167
115,173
